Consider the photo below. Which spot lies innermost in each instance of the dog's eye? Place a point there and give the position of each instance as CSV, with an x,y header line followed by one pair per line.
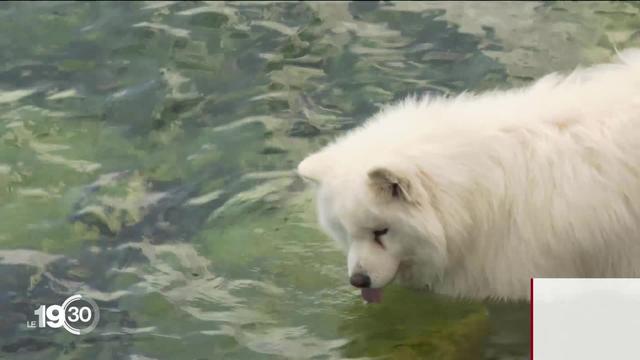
x,y
377,234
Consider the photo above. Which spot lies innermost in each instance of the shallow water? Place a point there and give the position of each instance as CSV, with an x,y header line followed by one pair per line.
x,y
146,156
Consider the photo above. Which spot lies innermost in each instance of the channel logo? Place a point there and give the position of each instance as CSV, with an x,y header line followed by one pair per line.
x,y
77,314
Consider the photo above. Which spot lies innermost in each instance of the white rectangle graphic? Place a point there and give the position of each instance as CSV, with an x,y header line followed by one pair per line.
x,y
586,319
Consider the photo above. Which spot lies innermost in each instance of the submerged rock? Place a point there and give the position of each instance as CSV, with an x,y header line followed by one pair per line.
x,y
303,129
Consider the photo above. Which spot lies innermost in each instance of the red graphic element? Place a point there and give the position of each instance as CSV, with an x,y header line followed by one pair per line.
x,y
531,322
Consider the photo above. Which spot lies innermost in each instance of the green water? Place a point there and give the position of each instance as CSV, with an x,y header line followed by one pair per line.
x,y
146,157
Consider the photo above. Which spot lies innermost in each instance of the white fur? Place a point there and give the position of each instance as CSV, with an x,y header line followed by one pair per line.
x,y
542,181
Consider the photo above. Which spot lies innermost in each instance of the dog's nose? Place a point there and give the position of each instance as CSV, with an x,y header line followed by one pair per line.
x,y
360,280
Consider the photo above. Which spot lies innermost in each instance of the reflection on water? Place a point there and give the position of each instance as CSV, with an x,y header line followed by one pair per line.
x,y
146,156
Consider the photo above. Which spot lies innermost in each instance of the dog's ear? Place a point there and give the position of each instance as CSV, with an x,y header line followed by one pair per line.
x,y
391,185
314,167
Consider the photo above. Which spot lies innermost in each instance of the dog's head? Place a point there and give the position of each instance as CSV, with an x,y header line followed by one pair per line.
x,y
383,217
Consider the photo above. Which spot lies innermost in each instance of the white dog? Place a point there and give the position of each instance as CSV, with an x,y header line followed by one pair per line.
x,y
472,196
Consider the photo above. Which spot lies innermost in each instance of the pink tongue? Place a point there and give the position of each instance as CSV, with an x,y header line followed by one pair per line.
x,y
372,295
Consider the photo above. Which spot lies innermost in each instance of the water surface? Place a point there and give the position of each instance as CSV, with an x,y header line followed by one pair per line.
x,y
146,157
